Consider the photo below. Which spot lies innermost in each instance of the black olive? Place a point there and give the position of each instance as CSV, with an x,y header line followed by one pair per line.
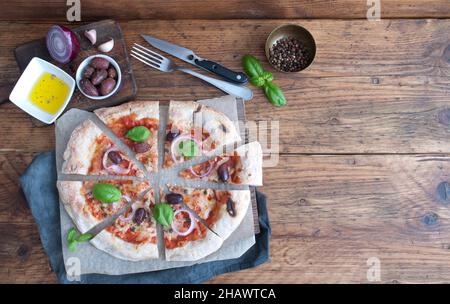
x,y
231,207
115,157
174,198
223,172
140,215
172,135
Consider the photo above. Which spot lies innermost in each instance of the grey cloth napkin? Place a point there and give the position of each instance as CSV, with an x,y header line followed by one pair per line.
x,y
39,186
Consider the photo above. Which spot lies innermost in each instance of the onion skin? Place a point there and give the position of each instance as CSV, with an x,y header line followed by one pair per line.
x,y
71,41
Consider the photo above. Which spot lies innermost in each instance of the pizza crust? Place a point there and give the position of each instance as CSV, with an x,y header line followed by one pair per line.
x,y
74,201
195,250
142,109
118,248
80,148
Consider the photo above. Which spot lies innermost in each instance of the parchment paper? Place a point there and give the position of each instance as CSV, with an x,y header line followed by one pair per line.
x,y
93,260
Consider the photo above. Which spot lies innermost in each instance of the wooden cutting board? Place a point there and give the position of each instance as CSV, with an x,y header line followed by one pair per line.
x,y
105,29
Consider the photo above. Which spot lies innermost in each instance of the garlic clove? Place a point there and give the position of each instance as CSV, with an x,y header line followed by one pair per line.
x,y
106,46
91,35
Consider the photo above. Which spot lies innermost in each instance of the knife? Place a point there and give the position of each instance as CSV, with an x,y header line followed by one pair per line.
x,y
190,57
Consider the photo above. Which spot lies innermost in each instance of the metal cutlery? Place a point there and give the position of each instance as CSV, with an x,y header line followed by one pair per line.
x,y
189,56
164,64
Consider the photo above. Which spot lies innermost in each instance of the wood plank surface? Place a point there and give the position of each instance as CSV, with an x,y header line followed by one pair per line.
x,y
387,101
329,214
218,9
364,145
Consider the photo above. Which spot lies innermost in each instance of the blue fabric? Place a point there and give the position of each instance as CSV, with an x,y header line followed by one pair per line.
x,y
39,186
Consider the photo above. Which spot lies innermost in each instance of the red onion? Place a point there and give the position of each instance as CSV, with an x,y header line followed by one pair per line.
x,y
62,44
176,141
191,227
113,168
208,172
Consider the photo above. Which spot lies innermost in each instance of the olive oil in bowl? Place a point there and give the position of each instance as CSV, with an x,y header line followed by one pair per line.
x,y
49,93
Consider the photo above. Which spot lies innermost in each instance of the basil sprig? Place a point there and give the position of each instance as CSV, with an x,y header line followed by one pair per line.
x,y
263,79
74,237
138,134
163,213
106,193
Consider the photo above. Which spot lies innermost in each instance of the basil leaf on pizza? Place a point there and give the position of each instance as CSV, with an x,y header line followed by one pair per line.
x,y
139,134
163,213
188,148
106,193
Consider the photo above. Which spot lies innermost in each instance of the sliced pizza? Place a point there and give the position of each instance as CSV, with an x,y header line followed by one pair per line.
x,y
136,123
242,166
90,202
90,152
185,237
133,235
194,129
188,239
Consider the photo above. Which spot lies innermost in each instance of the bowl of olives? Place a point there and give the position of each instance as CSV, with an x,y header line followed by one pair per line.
x,y
98,77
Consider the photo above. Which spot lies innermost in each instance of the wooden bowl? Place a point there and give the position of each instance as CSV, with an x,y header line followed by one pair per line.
x,y
292,31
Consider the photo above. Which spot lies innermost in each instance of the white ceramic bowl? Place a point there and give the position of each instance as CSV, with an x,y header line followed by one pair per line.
x,y
20,95
88,60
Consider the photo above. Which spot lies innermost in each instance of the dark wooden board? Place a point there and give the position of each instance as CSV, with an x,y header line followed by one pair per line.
x,y
105,29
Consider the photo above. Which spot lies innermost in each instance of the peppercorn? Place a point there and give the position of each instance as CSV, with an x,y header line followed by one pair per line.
x,y
289,55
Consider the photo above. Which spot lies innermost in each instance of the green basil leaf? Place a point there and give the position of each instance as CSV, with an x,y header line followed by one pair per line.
x,y
72,245
71,235
258,81
252,66
274,94
85,237
163,213
188,148
267,76
106,193
139,134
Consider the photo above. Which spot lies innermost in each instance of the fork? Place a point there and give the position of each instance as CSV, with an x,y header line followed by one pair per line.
x,y
164,64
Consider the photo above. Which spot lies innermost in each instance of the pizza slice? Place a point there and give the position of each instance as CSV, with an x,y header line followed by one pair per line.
x,y
133,235
90,202
193,130
222,211
185,237
136,123
90,152
242,166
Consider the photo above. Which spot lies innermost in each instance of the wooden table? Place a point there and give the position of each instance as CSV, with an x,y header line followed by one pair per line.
x,y
364,139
